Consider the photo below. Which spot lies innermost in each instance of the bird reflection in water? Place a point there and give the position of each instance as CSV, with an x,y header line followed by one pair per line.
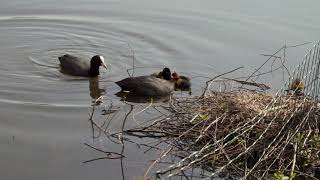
x,y
95,91
126,96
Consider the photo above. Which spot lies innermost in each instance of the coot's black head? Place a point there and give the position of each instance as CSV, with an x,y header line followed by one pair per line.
x,y
96,62
166,73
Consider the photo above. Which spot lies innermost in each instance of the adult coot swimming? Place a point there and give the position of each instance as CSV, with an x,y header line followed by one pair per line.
x,y
149,85
81,67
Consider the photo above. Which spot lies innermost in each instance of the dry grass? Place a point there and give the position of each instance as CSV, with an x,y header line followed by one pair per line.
x,y
240,133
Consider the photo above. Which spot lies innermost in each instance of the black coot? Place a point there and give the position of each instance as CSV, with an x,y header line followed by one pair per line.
x,y
149,85
81,67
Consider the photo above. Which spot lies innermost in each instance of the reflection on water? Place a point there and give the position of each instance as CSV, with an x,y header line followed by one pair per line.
x,y
103,128
95,91
127,137
130,97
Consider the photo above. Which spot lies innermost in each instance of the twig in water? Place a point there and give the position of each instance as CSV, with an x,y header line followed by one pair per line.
x,y
121,141
133,59
163,154
207,83
302,44
100,158
151,102
106,152
271,56
259,85
277,57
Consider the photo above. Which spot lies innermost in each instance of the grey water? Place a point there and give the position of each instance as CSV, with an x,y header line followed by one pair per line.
x,y
44,114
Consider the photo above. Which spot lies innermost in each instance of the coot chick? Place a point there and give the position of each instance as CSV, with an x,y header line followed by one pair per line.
x,y
181,82
164,74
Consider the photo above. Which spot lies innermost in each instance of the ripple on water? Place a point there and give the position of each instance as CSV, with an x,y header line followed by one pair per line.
x,y
33,45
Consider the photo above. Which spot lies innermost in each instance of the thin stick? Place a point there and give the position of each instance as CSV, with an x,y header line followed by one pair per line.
x,y
265,62
133,59
294,159
271,56
100,158
207,83
302,44
100,150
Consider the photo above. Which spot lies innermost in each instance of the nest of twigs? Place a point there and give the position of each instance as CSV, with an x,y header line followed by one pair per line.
x,y
242,134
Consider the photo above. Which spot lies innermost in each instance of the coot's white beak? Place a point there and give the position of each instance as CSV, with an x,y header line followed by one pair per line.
x,y
103,63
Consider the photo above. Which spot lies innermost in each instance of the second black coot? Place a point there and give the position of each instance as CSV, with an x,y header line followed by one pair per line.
x,y
78,66
149,85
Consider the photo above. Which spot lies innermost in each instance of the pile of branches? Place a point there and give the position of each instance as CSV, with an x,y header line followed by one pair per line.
x,y
241,133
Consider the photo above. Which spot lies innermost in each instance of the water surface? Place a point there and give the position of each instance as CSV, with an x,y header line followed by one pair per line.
x,y
44,114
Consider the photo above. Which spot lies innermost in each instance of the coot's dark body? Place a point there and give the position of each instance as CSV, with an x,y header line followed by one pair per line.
x,y
147,86
78,66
